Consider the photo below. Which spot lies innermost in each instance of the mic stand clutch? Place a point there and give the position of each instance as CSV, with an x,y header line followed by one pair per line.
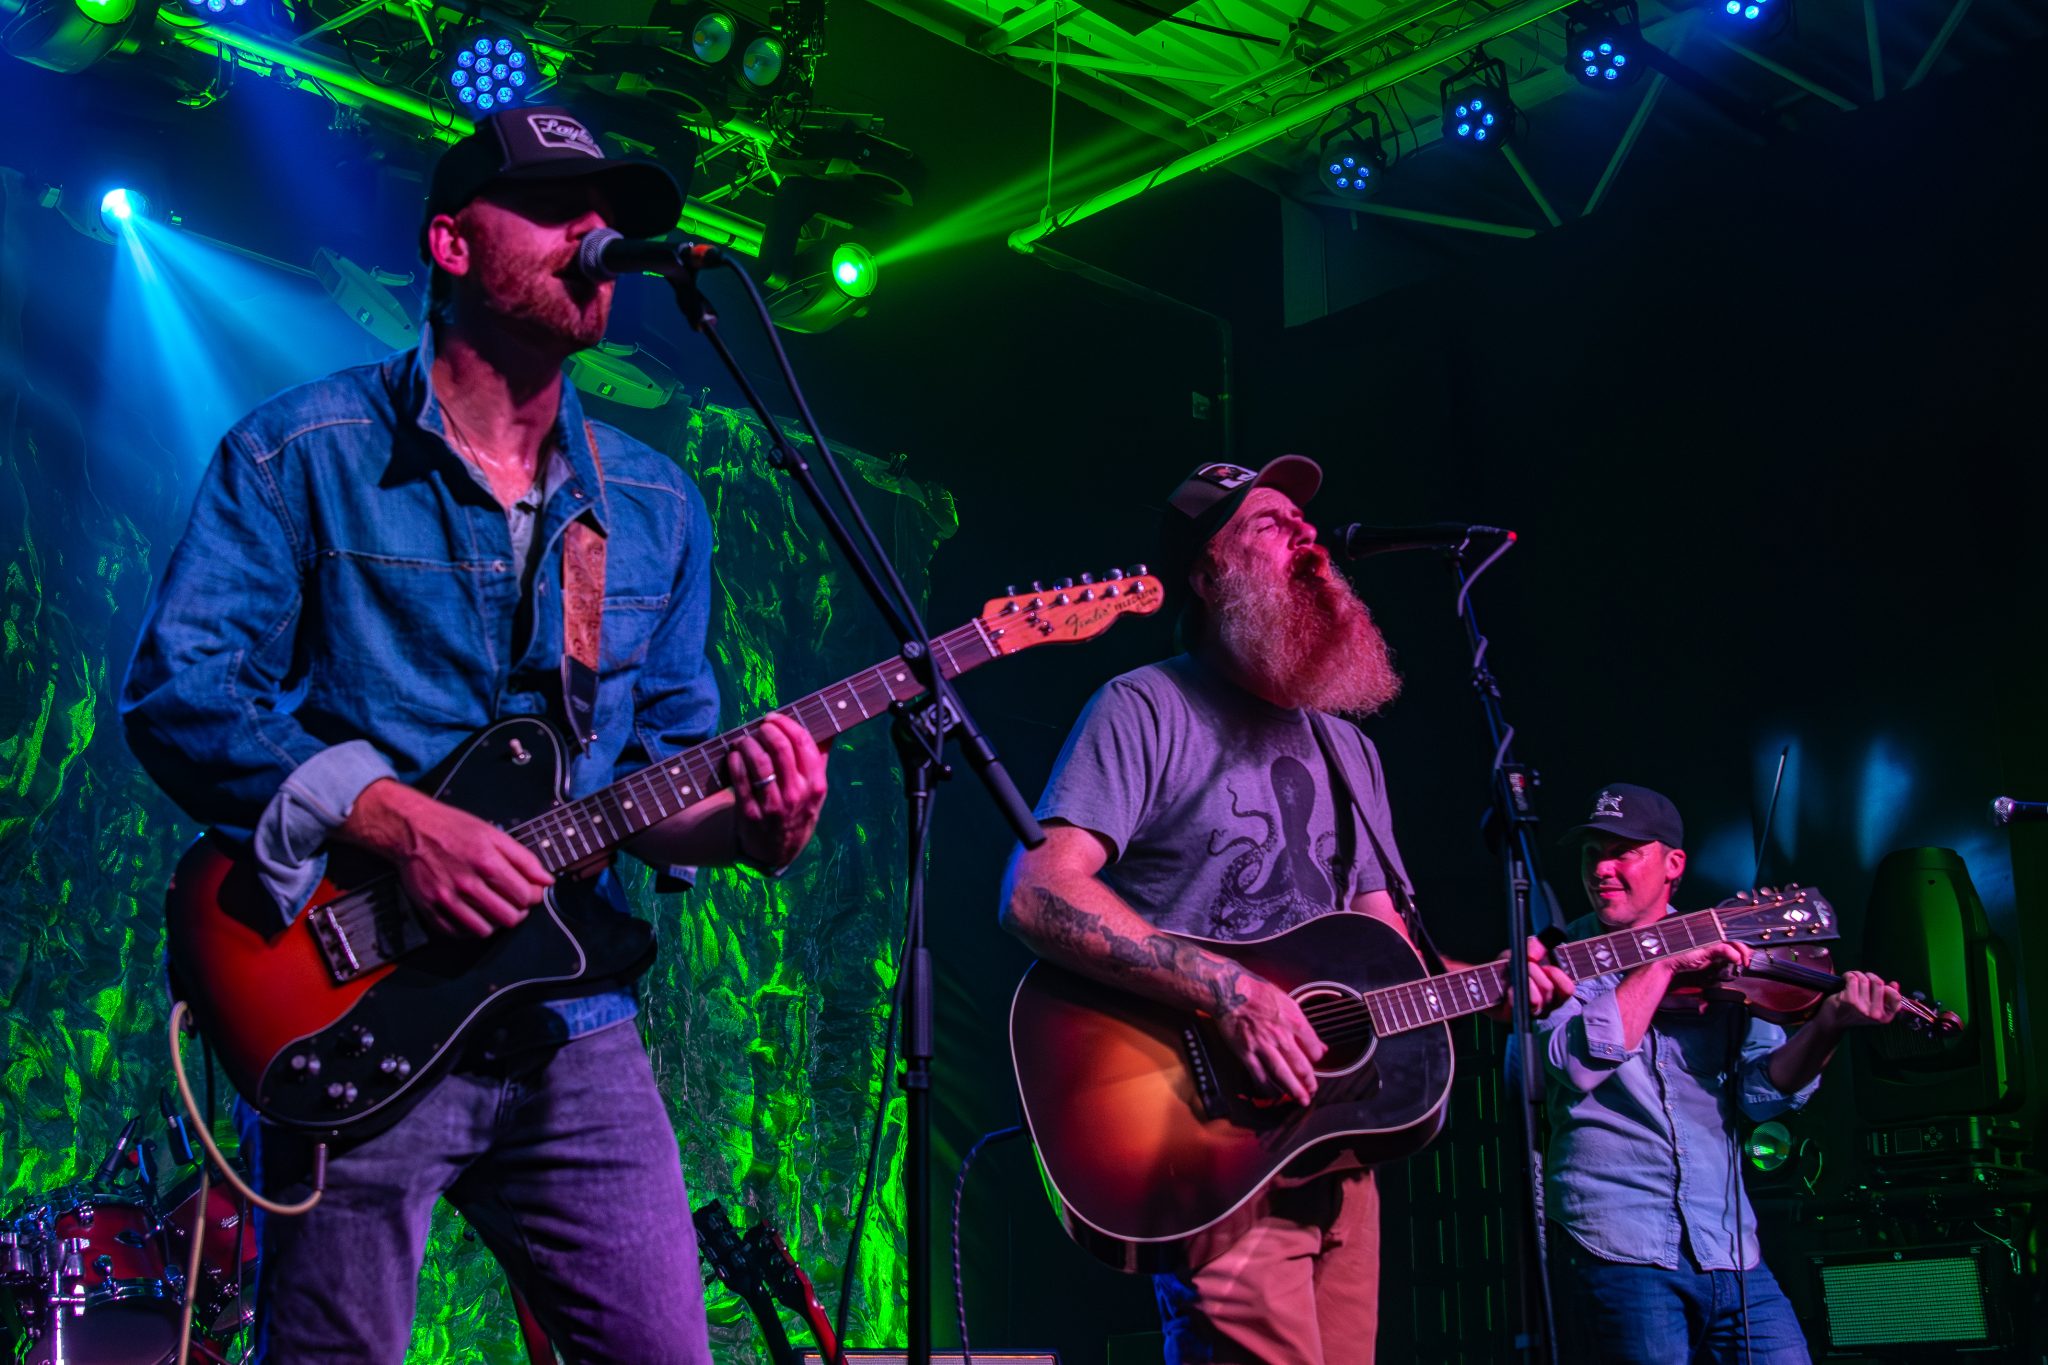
x,y
921,734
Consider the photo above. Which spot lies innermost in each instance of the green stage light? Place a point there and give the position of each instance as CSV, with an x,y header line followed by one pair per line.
x,y
70,35
853,269
106,11
712,37
762,65
1770,1146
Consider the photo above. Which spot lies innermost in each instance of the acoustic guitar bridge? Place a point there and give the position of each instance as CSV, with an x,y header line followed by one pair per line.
x,y
1208,1094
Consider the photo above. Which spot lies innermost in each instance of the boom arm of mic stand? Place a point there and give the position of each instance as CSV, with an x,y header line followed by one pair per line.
x,y
916,648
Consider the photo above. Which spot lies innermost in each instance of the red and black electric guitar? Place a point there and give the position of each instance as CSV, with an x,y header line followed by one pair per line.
x,y
338,1022
760,1269
1149,1130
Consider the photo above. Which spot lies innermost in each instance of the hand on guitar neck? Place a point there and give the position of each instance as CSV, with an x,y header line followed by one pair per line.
x,y
470,878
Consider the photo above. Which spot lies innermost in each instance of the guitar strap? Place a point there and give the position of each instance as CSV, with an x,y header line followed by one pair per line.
x,y
583,550
1382,842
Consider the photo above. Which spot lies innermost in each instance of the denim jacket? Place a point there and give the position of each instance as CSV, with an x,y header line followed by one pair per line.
x,y
1642,1162
345,605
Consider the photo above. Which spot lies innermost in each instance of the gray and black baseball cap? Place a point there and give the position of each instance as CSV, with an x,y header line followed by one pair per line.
x,y
1205,499
550,143
1623,810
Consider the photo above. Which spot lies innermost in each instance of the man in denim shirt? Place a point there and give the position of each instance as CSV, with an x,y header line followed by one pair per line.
x,y
374,570
1652,1242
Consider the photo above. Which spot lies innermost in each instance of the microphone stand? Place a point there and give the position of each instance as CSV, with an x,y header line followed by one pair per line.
x,y
1512,818
921,728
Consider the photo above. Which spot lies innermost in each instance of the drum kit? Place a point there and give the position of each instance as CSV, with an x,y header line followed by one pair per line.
x,y
96,1270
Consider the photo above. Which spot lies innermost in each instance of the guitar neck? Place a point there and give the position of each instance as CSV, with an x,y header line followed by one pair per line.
x,y
1411,1005
580,830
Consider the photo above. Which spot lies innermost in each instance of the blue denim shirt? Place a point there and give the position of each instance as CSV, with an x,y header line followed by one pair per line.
x,y
345,605
1640,1166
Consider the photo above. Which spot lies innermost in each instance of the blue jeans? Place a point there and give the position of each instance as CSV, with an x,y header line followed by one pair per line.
x,y
1644,1315
561,1157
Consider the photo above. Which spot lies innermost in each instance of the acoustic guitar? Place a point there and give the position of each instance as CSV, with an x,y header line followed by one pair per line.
x,y
1149,1131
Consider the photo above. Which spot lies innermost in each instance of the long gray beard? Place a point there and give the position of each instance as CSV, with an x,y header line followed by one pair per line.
x,y
1306,640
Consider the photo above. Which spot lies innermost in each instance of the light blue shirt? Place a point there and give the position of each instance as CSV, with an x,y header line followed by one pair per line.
x,y
1642,1166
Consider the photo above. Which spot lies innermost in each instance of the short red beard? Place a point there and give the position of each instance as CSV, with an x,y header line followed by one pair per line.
x,y
1304,639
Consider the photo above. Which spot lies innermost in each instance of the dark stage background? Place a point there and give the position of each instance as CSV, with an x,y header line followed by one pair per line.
x,y
1768,425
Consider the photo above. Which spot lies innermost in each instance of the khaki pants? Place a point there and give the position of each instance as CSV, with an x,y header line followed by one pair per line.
x,y
1293,1282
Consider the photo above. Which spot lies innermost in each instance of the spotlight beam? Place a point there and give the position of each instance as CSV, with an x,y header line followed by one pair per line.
x,y
1628,141
1495,25
1507,150
1940,43
1870,37
1787,74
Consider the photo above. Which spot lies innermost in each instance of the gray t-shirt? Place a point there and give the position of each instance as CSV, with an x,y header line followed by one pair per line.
x,y
1220,806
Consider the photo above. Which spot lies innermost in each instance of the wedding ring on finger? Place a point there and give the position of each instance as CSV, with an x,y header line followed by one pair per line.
x,y
764,781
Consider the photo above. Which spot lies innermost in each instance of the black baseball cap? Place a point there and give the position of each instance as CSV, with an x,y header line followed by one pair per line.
x,y
1205,499
1623,810
550,143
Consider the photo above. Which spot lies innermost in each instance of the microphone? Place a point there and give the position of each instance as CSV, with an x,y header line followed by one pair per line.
x,y
1357,541
113,1161
2006,811
606,254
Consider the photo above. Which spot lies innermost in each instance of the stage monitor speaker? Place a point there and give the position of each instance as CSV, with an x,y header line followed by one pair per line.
x,y
1926,929
1910,1301
945,1357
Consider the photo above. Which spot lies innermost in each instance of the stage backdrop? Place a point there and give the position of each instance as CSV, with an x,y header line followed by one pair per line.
x,y
764,1013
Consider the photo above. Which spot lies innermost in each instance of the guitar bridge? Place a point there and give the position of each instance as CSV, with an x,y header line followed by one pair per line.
x,y
1207,1093
342,963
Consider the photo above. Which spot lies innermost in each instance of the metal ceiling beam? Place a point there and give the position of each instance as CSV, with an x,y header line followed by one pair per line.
x,y
1082,61
1253,135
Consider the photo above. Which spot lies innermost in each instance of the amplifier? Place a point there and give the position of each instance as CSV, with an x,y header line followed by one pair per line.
x,y
946,1357
1908,1300
1982,1138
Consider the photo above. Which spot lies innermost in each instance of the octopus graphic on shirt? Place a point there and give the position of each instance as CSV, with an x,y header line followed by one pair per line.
x,y
1273,883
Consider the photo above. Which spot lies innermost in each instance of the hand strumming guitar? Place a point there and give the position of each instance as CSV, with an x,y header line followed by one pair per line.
x,y
467,876
1272,1037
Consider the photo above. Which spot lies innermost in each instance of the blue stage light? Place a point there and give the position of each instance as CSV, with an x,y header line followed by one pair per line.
x,y
1351,163
490,72
1479,116
120,207
1603,42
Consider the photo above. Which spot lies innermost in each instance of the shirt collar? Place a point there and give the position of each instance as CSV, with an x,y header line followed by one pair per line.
x,y
572,433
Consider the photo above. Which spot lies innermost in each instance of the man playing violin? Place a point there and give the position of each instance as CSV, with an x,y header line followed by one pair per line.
x,y
1652,1243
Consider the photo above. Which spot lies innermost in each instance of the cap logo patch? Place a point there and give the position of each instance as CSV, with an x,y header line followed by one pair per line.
x,y
1226,476
1607,803
565,134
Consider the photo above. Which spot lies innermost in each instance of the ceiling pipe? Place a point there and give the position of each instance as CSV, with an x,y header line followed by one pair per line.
x,y
1253,135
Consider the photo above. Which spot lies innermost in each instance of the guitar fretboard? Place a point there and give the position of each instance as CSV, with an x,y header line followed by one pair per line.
x,y
1397,1009
592,825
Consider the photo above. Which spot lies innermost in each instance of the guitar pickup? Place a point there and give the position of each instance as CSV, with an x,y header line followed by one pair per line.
x,y
1208,1094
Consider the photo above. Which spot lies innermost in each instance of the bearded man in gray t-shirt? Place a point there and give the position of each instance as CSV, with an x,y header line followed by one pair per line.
x,y
1194,798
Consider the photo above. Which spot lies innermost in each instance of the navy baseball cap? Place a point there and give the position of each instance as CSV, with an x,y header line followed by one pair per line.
x,y
550,143
1205,499
1623,810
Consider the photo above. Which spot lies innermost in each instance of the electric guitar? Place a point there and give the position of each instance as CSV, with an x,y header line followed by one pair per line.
x,y
338,1022
1149,1130
759,1268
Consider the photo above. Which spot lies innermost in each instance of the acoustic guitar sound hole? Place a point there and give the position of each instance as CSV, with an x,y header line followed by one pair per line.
x,y
1342,1022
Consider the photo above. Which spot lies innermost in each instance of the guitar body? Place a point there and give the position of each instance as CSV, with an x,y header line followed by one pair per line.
x,y
331,1057
1149,1131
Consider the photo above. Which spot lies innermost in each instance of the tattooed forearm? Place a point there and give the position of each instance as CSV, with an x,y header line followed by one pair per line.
x,y
1156,964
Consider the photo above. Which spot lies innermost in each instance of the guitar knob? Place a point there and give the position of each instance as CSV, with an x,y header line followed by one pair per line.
x,y
304,1066
396,1067
358,1041
340,1094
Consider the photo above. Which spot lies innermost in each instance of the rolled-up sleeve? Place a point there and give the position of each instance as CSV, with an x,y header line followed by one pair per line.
x,y
1582,1040
1761,1098
205,706
291,835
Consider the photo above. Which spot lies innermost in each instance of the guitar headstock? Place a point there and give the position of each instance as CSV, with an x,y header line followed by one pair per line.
x,y
1768,915
779,1270
725,1251
1070,610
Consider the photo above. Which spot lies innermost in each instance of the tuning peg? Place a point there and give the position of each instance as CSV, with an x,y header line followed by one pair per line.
x,y
1037,586
1140,570
1087,578
1115,575
1064,583
1009,590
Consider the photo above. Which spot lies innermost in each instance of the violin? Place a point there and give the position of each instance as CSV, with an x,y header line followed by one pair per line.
x,y
1785,985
